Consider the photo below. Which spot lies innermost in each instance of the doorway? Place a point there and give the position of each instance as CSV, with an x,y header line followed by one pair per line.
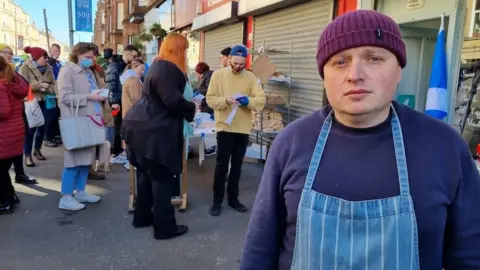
x,y
420,39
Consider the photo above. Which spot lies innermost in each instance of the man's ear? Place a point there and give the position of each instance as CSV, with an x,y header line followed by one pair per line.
x,y
400,74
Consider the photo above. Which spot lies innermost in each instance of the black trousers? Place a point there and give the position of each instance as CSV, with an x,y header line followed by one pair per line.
x,y
117,139
155,187
230,147
6,188
18,165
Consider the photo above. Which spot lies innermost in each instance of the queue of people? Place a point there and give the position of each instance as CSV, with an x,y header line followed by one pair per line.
x,y
53,87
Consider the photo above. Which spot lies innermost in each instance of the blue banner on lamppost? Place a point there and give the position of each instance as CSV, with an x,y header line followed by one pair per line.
x,y
83,16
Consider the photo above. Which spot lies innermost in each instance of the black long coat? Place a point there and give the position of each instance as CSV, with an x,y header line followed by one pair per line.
x,y
153,127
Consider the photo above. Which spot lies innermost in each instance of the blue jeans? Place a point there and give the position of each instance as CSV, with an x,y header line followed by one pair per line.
x,y
51,120
33,134
110,134
74,178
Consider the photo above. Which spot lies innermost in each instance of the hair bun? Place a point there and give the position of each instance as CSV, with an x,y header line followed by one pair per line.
x,y
27,49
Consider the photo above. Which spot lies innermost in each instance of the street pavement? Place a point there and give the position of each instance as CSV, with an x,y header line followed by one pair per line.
x,y
40,236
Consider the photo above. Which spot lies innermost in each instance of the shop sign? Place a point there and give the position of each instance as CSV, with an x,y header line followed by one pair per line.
x,y
213,2
414,4
407,100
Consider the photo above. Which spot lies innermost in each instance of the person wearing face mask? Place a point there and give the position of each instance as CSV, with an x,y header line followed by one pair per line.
x,y
77,84
20,177
232,89
42,81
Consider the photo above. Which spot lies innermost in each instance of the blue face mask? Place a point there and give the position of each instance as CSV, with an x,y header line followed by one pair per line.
x,y
86,63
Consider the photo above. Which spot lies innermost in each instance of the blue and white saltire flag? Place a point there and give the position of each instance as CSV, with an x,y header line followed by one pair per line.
x,y
437,96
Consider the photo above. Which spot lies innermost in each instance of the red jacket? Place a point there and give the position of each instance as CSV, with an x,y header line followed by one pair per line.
x,y
12,127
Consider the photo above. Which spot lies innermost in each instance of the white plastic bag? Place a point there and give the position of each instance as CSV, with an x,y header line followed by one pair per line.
x,y
34,114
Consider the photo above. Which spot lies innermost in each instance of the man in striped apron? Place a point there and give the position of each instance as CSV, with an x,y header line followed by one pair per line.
x,y
365,182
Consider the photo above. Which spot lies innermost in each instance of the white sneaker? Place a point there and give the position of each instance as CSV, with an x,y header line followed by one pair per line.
x,y
69,203
84,197
127,165
118,160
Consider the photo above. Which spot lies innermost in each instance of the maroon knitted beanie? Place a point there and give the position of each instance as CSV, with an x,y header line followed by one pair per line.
x,y
360,28
35,52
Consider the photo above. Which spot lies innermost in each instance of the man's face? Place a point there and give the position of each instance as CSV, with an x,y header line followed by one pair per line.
x,y
224,60
55,52
361,80
237,63
7,54
129,56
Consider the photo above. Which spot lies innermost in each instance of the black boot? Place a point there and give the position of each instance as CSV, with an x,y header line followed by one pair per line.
x,y
15,200
216,210
142,222
181,230
25,179
238,206
6,209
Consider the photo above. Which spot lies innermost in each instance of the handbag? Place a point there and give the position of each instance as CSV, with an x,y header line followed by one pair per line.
x,y
81,132
50,101
33,112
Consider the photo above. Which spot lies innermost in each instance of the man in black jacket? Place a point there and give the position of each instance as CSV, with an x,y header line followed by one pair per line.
x,y
116,66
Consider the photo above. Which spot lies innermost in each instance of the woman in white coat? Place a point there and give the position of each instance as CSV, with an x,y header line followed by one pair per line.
x,y
77,84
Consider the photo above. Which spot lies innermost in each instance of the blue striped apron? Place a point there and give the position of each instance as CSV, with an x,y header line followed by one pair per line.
x,y
337,234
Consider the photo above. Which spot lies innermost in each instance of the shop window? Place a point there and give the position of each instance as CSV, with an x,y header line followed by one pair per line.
x,y
120,14
475,24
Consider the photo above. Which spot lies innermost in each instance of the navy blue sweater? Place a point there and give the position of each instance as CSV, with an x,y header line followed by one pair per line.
x,y
359,164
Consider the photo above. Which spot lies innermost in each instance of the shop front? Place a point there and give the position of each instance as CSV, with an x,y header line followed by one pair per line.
x,y
420,23
221,28
289,31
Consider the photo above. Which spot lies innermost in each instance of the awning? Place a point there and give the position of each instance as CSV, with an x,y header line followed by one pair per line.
x,y
256,7
224,14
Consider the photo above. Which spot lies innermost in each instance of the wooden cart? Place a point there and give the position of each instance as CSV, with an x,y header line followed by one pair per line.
x,y
180,201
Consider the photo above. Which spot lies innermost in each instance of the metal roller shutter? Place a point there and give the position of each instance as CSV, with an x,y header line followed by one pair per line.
x,y
220,38
302,25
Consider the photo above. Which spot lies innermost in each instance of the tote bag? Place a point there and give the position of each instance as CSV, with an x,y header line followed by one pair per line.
x,y
33,111
81,132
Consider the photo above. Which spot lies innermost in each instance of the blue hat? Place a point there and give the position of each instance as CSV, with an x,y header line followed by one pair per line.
x,y
239,50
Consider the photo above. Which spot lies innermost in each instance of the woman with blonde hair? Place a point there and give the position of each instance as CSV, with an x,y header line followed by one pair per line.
x,y
153,131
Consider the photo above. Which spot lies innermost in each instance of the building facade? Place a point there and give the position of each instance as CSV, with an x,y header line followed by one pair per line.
x,y
118,22
18,31
471,33
291,28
